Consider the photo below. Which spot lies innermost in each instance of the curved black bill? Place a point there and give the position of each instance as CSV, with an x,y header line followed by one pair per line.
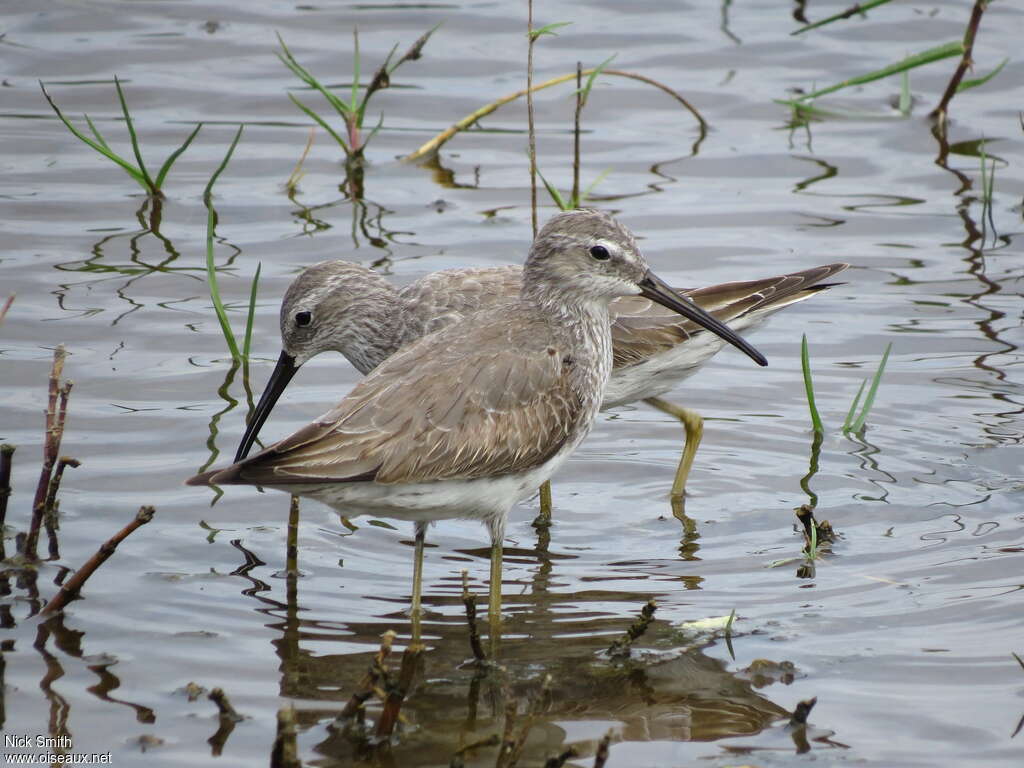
x,y
279,379
654,288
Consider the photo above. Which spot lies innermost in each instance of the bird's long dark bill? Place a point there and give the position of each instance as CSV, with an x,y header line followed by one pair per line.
x,y
279,379
655,289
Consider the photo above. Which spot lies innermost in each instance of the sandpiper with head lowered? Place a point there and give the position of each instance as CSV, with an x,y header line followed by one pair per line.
x,y
348,308
470,419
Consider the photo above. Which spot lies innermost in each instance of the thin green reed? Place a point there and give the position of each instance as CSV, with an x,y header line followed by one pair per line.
x,y
805,363
856,425
211,270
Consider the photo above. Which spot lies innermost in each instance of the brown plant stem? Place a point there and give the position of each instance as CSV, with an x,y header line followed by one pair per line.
x,y
50,507
531,39
224,707
228,719
939,113
432,146
621,648
396,693
469,600
368,684
5,307
51,446
292,551
285,753
576,137
508,742
70,589
601,756
6,455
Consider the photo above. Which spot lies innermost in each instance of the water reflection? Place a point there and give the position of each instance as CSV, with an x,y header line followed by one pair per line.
x,y
665,691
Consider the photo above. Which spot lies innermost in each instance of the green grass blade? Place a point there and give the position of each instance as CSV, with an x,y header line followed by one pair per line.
x,y
153,188
872,391
211,270
353,103
252,312
208,192
96,132
306,76
593,185
548,29
556,196
585,90
848,421
376,128
905,98
986,192
174,156
938,53
321,122
966,85
805,363
856,10
211,279
130,169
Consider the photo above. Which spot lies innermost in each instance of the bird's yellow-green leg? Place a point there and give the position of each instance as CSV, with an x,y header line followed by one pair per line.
x,y
693,423
417,581
543,520
494,601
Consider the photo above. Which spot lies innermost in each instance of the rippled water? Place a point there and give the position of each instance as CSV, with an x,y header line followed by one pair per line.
x,y
904,632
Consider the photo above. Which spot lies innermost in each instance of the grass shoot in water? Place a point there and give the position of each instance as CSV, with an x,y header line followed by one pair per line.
x,y
139,173
211,270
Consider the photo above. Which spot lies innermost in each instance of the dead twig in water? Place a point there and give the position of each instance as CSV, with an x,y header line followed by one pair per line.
x,y
396,693
622,648
5,307
285,754
803,709
228,719
457,762
218,697
50,507
559,761
512,748
939,113
601,756
531,36
368,685
70,589
469,600
508,743
431,147
51,446
6,454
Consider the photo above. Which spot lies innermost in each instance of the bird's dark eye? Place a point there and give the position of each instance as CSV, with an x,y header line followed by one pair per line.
x,y
600,253
303,318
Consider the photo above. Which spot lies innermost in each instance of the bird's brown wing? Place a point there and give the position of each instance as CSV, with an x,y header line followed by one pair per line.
x,y
641,328
471,401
